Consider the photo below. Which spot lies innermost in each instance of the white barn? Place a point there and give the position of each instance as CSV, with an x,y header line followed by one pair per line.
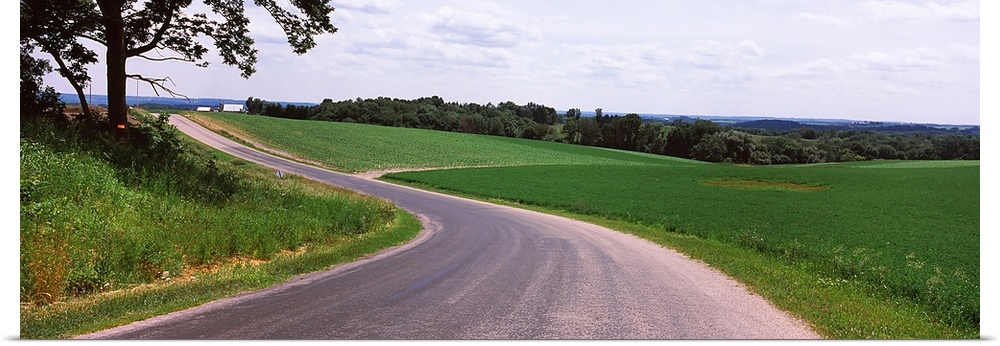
x,y
231,107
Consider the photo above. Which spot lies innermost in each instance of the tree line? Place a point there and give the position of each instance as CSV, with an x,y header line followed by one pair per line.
x,y
432,113
699,139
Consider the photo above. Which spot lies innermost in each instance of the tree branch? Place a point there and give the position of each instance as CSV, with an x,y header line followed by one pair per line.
x,y
158,83
157,36
92,38
164,58
173,58
66,73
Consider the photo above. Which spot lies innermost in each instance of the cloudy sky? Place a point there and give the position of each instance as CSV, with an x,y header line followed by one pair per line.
x,y
915,61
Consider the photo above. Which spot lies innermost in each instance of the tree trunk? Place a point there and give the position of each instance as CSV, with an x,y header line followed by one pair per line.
x,y
76,86
84,106
114,29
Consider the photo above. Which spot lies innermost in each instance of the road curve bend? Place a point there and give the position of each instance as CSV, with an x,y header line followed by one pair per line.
x,y
480,271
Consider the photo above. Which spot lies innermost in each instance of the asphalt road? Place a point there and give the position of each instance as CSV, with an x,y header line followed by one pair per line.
x,y
481,271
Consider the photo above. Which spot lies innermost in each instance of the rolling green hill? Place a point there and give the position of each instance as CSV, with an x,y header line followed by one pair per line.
x,y
882,249
358,147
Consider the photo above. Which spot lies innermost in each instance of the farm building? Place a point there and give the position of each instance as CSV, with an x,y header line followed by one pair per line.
x,y
230,107
204,109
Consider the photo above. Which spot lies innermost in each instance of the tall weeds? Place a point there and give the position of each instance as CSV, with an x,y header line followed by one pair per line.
x,y
97,215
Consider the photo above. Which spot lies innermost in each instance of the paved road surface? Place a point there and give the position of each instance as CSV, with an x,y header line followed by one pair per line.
x,y
481,271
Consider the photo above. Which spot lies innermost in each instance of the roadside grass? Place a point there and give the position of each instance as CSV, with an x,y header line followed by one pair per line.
x,y
198,286
856,249
907,235
358,147
106,241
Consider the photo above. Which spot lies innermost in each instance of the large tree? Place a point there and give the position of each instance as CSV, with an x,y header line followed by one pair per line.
x,y
157,30
52,26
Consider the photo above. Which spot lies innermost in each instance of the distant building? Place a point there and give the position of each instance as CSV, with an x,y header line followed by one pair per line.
x,y
204,109
231,107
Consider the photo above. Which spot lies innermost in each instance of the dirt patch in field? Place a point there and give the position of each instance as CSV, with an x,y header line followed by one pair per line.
x,y
750,184
76,110
233,133
379,173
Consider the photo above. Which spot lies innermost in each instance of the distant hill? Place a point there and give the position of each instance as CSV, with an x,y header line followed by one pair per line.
x,y
743,122
784,124
779,125
787,125
166,102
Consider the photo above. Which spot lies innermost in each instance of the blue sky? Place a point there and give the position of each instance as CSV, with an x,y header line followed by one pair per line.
x,y
915,61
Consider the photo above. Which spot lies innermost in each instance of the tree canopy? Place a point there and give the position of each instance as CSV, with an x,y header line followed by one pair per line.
x,y
157,30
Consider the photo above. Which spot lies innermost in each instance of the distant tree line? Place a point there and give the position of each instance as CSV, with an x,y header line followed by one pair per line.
x,y
277,110
777,127
806,145
505,119
698,139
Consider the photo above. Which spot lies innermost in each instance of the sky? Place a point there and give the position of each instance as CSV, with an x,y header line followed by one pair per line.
x,y
910,61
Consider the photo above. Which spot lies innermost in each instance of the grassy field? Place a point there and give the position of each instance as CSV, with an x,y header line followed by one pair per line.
x,y
106,241
913,231
357,147
860,250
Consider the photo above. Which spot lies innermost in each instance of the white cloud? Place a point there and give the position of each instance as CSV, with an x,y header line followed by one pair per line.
x,y
450,56
822,69
822,18
929,11
917,72
907,61
964,52
430,48
479,29
715,55
367,6
750,50
708,66
623,64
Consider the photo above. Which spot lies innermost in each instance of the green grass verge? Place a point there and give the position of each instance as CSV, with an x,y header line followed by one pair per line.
x,y
112,234
95,313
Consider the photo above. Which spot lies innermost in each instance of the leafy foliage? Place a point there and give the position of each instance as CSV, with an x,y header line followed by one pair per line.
x,y
132,29
52,26
36,98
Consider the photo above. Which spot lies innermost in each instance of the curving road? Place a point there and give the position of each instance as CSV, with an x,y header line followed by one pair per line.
x,y
481,271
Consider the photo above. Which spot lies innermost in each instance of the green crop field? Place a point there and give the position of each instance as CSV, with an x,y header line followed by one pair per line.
x,y
902,233
357,147
914,231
